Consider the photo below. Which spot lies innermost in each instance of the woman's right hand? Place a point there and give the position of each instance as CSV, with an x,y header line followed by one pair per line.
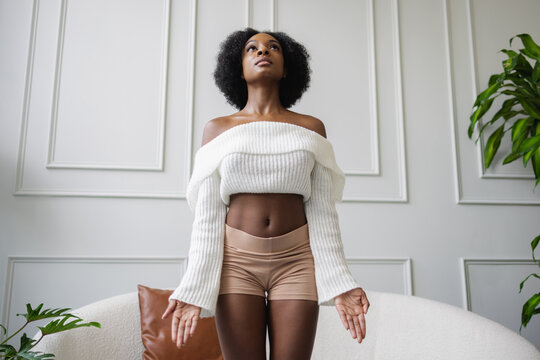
x,y
184,322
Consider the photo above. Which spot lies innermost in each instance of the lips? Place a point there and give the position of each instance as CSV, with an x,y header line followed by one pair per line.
x,y
263,59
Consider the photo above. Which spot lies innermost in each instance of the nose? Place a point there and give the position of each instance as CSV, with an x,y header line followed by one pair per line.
x,y
260,51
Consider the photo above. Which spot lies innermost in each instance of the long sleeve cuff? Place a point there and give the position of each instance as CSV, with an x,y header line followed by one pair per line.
x,y
201,282
332,274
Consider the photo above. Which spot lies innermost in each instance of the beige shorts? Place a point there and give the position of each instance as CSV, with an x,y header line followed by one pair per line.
x,y
282,265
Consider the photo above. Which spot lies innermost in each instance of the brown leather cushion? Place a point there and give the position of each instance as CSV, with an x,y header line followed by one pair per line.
x,y
156,333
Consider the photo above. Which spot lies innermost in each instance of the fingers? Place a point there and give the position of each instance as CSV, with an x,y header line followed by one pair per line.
x,y
183,323
343,319
366,304
170,308
362,321
179,338
187,330
193,325
358,329
352,328
174,328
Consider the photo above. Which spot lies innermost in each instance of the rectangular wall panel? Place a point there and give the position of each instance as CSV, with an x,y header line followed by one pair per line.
x,y
110,85
75,282
96,100
491,289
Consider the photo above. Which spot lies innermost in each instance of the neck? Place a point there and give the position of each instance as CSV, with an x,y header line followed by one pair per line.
x,y
263,99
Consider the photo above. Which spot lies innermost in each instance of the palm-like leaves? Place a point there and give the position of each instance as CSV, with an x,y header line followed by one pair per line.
x,y
37,314
8,352
60,325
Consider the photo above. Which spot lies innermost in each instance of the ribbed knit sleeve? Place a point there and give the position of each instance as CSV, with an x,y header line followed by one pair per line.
x,y
200,284
332,274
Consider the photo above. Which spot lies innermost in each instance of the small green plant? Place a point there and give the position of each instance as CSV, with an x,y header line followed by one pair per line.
x,y
520,82
8,352
531,307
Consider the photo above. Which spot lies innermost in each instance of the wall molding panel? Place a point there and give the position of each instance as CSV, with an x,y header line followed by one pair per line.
x,y
157,163
40,172
402,274
151,271
380,175
484,280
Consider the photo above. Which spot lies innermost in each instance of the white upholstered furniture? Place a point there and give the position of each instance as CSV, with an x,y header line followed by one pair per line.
x,y
399,327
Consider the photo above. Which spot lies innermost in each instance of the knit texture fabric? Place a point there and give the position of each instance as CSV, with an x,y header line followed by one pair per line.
x,y
317,177
267,173
263,137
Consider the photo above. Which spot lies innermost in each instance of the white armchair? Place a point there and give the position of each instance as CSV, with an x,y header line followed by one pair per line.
x,y
399,327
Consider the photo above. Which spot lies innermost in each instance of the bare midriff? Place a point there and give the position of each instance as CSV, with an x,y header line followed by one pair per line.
x,y
266,214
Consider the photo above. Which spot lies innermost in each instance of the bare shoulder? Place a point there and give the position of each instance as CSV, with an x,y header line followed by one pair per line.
x,y
214,127
313,123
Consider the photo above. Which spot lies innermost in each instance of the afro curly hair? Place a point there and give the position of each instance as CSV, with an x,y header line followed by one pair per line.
x,y
229,68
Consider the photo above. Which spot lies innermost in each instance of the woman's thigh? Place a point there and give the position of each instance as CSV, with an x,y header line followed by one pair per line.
x,y
292,325
241,324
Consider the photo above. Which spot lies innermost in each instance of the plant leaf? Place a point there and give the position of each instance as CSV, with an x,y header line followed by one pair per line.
x,y
520,126
492,145
523,282
523,67
26,343
60,325
505,111
530,108
534,243
509,64
36,314
532,49
536,72
536,163
484,95
493,78
528,308
8,350
529,144
526,157
511,157
512,93
510,114
526,53
34,355
478,113
517,143
521,83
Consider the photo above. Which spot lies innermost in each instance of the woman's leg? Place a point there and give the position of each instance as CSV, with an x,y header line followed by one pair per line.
x,y
292,325
241,326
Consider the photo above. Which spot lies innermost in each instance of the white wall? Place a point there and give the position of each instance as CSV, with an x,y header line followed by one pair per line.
x,y
102,109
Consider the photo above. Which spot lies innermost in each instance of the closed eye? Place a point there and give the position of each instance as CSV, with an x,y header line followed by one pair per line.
x,y
272,46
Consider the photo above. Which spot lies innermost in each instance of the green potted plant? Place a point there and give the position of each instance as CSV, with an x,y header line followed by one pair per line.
x,y
520,114
9,352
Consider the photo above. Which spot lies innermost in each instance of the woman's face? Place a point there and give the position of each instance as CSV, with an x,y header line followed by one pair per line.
x,y
261,46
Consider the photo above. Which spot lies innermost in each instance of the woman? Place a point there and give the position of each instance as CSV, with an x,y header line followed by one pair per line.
x,y
276,171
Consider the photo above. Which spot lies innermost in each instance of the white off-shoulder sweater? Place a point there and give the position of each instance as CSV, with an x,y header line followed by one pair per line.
x,y
264,157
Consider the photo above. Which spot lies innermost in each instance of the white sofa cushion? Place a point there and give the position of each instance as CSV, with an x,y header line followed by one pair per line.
x,y
399,327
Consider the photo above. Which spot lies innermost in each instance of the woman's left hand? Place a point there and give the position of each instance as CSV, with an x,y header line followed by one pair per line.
x,y
351,306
